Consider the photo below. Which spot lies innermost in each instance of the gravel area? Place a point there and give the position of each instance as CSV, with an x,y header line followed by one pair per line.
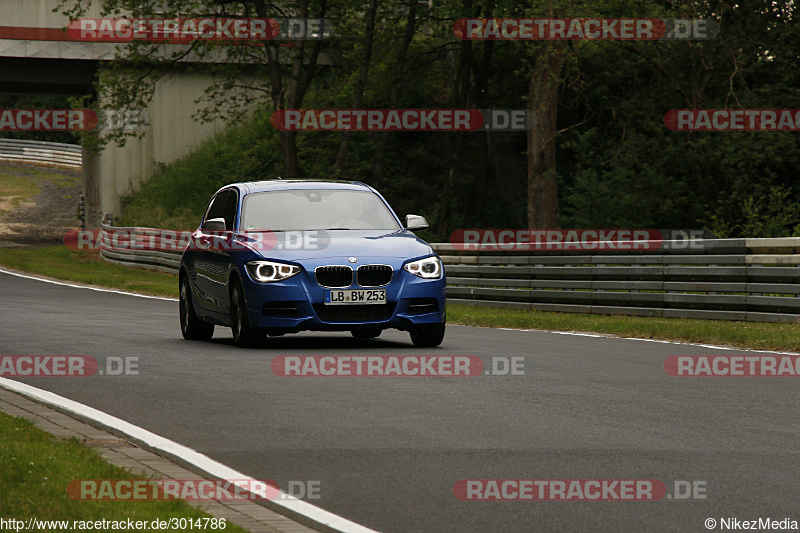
x,y
45,218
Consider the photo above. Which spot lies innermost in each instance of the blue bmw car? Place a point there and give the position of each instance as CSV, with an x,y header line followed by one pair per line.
x,y
283,256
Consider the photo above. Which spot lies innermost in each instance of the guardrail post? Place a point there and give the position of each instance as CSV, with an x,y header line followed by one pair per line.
x,y
82,211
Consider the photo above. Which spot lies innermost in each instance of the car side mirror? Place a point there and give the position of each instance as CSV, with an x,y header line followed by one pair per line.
x,y
214,224
416,222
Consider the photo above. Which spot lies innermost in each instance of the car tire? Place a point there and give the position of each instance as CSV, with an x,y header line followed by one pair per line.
x,y
192,326
367,333
244,336
427,335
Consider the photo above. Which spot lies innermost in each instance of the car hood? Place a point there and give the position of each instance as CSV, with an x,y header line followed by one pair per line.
x,y
346,243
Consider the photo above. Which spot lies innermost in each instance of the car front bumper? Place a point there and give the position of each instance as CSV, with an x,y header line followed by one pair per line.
x,y
297,304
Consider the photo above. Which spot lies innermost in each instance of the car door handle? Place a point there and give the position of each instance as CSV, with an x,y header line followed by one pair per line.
x,y
203,242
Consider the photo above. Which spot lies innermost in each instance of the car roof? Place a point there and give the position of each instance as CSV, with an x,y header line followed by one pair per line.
x,y
284,185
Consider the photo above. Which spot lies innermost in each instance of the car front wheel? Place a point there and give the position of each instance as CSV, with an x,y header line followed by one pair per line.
x,y
427,335
192,327
244,335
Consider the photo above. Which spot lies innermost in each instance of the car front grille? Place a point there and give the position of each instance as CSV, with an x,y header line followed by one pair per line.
x,y
334,276
374,275
354,312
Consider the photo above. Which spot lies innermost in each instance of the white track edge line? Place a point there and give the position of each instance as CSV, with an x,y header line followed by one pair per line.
x,y
187,454
81,286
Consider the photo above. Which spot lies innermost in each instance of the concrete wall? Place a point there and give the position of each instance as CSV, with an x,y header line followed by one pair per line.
x,y
172,133
39,13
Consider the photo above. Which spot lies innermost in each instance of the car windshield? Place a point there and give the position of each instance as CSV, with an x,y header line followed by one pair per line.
x,y
316,209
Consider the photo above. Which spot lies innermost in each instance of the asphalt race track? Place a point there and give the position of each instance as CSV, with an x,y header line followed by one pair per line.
x,y
388,450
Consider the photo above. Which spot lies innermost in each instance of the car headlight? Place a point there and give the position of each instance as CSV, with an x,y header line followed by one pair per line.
x,y
428,268
270,271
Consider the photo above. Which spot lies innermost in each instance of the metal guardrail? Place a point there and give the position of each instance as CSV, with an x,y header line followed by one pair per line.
x,y
118,245
726,279
42,153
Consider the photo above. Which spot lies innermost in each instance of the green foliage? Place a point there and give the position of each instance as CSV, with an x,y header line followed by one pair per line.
x,y
624,168
772,214
617,163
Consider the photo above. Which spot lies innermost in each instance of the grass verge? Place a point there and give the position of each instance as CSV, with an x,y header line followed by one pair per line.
x,y
87,267
37,468
754,335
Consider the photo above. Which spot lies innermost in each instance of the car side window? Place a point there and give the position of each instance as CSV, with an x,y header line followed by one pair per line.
x,y
229,208
213,208
223,206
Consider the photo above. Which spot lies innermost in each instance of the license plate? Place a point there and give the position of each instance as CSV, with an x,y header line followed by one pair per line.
x,y
355,296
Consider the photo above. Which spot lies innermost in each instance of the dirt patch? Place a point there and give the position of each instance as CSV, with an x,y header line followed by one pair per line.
x,y
45,218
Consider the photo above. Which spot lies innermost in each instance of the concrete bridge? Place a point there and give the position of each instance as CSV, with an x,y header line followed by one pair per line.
x,y
38,57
